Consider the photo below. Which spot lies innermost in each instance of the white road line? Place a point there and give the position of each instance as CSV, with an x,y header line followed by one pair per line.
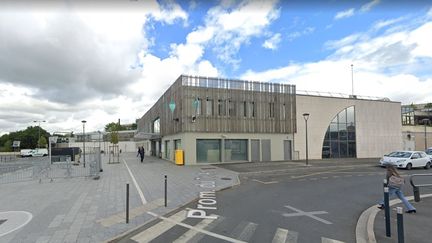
x,y
266,182
186,237
226,238
141,194
303,214
159,228
308,214
285,236
143,200
327,240
244,231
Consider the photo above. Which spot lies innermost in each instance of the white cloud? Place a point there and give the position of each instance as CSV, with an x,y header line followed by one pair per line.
x,y
65,63
344,14
229,26
294,35
389,65
273,42
368,6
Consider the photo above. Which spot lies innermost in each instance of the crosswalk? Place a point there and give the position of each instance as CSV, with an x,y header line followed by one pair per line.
x,y
179,229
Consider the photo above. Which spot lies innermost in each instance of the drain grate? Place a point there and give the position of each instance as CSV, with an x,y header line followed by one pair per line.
x,y
2,221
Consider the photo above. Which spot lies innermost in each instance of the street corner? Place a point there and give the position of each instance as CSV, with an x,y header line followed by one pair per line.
x,y
11,221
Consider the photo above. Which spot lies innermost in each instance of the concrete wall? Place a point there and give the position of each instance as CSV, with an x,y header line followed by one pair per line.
x,y
416,140
378,125
188,141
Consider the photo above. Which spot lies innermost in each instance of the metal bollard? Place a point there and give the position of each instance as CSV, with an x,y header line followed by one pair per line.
x,y
387,211
166,190
400,226
416,192
127,203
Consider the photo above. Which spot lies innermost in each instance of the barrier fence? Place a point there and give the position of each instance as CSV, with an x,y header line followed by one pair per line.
x,y
40,168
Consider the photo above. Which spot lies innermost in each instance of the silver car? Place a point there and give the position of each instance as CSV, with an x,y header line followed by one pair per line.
x,y
407,159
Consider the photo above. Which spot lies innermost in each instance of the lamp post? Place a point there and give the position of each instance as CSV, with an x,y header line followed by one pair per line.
x,y
425,122
39,122
84,122
100,149
306,117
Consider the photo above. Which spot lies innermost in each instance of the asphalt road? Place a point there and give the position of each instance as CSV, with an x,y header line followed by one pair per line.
x,y
288,202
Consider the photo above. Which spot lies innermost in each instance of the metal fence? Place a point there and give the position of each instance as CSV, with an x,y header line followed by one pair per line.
x,y
41,168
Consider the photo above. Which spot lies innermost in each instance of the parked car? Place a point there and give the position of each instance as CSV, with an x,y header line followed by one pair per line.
x,y
407,159
429,153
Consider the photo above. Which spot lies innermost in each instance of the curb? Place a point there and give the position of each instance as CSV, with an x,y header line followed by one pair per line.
x,y
119,237
365,224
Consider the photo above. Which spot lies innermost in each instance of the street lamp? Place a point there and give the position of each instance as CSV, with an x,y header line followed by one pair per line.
x,y
425,122
39,122
84,122
100,149
306,117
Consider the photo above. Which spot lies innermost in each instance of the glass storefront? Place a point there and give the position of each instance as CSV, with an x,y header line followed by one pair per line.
x,y
340,138
208,150
235,150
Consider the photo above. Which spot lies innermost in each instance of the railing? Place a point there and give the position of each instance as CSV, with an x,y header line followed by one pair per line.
x,y
339,95
416,188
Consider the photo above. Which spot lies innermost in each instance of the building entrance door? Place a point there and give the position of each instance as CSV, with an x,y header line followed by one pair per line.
x,y
255,150
287,150
266,152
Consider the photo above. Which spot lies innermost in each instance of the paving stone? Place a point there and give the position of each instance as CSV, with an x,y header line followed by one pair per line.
x,y
86,210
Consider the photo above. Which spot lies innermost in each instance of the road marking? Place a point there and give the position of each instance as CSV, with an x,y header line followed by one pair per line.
x,y
308,214
244,231
266,182
301,214
140,193
285,236
13,220
322,172
175,221
327,240
159,228
187,237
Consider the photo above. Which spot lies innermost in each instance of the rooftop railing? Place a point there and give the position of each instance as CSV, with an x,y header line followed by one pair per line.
x,y
219,83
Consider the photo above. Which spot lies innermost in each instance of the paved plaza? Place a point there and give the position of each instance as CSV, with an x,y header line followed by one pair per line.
x,y
87,210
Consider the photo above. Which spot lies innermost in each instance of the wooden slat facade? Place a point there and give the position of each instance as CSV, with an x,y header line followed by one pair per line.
x,y
218,105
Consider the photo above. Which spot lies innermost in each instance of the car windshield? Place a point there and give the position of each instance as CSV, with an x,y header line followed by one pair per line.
x,y
399,154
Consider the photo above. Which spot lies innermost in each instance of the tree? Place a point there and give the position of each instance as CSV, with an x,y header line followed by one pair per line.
x,y
113,126
114,137
28,137
42,142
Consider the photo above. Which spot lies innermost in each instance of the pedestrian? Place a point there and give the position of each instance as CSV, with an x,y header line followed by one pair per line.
x,y
395,182
141,153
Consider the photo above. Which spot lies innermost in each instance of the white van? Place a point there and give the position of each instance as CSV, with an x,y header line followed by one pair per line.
x,y
38,152
26,152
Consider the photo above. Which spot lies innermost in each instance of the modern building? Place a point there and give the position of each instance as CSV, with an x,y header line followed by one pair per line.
x,y
216,120
416,126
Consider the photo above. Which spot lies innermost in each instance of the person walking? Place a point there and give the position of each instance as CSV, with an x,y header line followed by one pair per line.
x,y
394,183
141,153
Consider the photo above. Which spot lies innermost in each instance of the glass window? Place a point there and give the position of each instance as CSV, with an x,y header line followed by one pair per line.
x,y
252,109
209,107
231,108
177,144
208,150
271,109
350,114
167,150
236,150
339,140
156,126
221,107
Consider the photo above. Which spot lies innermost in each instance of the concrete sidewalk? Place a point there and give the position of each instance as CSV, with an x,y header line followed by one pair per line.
x,y
87,210
417,227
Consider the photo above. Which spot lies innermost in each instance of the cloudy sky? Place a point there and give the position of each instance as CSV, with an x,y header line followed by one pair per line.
x,y
67,61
